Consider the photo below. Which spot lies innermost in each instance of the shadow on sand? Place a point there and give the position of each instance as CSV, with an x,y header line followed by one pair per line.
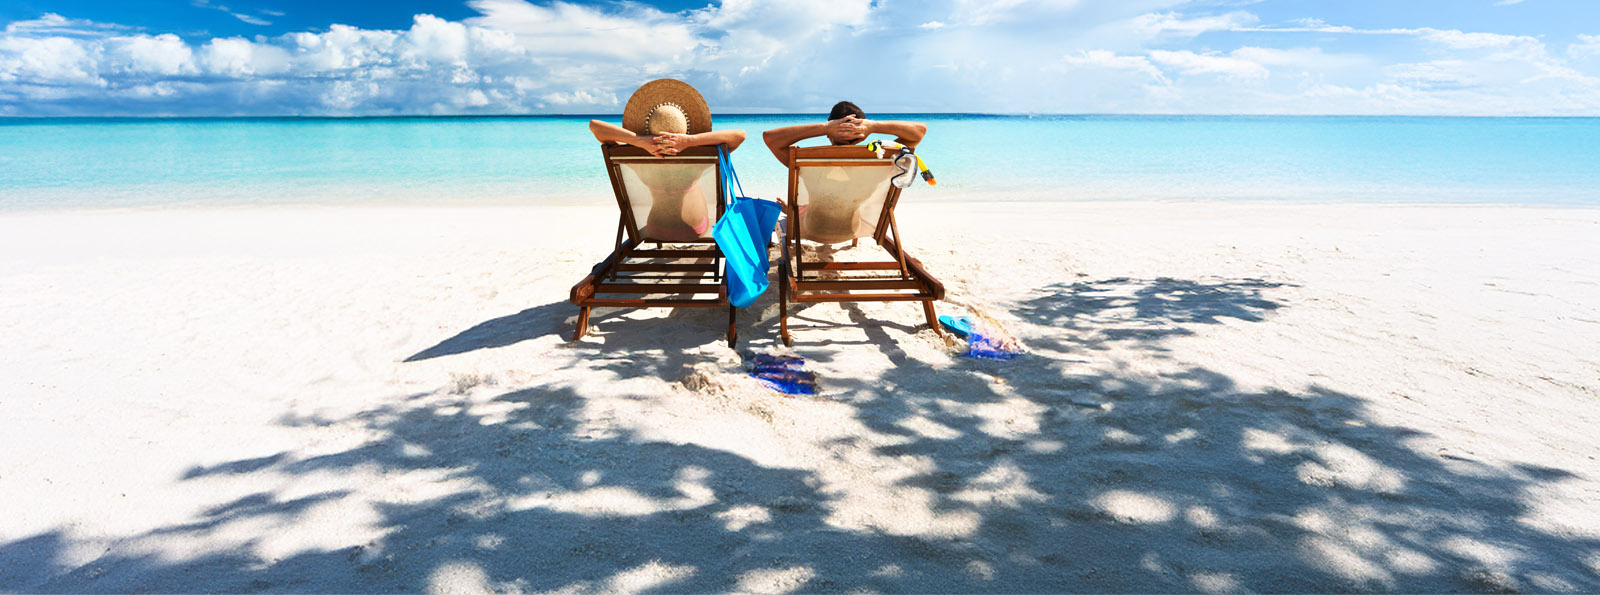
x,y
1116,482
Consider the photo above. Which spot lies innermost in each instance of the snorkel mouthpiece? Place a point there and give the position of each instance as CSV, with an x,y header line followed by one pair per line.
x,y
927,174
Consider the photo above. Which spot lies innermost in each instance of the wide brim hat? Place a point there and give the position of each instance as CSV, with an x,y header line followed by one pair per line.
x,y
636,116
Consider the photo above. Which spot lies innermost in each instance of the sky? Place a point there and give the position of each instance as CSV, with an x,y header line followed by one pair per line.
x,y
426,57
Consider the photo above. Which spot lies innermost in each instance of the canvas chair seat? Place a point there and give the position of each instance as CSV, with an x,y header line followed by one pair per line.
x,y
843,194
848,203
664,256
672,201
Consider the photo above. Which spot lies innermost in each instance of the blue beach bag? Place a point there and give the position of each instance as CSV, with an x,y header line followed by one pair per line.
x,y
743,234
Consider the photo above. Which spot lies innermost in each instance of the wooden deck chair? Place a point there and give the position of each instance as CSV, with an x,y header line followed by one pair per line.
x,y
843,194
672,203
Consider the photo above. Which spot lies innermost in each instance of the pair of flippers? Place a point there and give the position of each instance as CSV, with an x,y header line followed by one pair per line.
x,y
786,372
984,340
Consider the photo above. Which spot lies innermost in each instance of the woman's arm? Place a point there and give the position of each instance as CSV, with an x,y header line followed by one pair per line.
x,y
672,143
607,132
727,138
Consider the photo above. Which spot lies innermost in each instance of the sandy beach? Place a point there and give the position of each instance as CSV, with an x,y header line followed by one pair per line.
x,y
1219,397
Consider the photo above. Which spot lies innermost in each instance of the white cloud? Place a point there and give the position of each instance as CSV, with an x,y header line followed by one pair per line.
x,y
57,59
161,55
581,97
1451,38
986,12
562,30
253,20
1192,63
238,57
343,48
785,18
1320,26
1466,41
1587,45
1435,74
1110,60
52,24
433,39
1303,59
1173,24
521,56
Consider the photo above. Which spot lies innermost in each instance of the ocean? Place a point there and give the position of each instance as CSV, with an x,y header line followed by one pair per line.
x,y
121,163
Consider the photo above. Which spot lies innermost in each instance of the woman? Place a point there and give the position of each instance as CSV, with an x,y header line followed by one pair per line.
x,y
664,117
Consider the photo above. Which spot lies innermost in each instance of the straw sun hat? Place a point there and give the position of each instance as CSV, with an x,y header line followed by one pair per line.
x,y
666,105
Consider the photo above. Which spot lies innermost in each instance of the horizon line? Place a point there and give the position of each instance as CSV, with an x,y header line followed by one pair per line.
x,y
768,114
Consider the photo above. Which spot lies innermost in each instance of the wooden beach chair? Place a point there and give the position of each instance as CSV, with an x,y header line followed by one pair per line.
x,y
664,255
843,194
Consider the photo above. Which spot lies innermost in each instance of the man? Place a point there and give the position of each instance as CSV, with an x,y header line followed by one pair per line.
x,y
846,125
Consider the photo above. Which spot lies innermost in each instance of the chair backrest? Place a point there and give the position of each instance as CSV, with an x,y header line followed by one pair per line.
x,y
841,193
677,198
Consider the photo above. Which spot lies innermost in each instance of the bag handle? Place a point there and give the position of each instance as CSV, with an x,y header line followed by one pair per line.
x,y
730,178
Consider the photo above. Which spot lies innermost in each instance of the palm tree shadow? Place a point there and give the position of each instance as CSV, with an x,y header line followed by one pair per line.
x,y
528,324
1142,313
1062,478
557,319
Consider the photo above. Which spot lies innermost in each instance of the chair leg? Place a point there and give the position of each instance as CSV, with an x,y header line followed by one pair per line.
x,y
732,335
583,323
933,320
783,303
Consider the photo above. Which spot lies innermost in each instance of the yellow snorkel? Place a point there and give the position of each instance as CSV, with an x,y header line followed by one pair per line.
x,y
926,173
904,161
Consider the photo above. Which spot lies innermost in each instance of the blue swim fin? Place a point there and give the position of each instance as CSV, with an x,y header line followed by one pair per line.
x,y
960,326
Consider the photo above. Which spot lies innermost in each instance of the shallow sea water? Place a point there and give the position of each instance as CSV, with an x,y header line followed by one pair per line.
x,y
99,163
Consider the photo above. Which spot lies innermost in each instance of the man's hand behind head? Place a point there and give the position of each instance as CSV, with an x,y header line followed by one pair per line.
x,y
847,130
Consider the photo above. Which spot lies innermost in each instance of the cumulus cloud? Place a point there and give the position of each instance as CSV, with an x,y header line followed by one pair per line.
x,y
432,67
159,55
532,56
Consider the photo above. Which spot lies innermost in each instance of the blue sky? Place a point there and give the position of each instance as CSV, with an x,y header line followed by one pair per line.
x,y
298,57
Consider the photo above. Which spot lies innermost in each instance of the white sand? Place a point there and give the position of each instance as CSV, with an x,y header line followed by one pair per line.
x,y
1221,397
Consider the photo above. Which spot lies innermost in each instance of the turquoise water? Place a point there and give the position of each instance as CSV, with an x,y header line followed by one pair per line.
x,y
94,163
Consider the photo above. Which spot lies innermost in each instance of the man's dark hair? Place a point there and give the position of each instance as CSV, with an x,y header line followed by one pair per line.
x,y
845,108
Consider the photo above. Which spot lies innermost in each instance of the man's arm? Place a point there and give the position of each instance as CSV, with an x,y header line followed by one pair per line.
x,y
906,133
780,139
